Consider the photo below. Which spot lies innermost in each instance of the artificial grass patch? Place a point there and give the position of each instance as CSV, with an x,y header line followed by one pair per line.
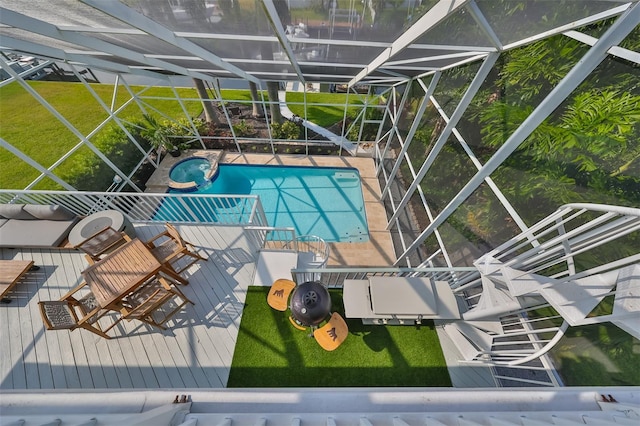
x,y
270,352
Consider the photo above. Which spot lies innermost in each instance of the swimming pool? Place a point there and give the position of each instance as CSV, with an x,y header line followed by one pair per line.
x,y
322,201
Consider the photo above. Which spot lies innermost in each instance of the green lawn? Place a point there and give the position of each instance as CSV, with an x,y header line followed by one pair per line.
x,y
270,352
323,115
30,127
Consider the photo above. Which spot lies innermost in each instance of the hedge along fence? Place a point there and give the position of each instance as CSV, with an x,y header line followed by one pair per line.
x,y
30,127
87,172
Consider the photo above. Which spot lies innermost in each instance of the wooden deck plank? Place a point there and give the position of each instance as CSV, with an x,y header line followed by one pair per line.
x,y
139,375
28,349
43,352
108,367
157,341
18,377
154,372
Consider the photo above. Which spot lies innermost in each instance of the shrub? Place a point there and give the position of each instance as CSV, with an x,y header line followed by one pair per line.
x,y
286,130
243,129
180,132
87,172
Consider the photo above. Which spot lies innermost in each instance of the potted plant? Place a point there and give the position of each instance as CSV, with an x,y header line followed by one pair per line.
x,y
159,136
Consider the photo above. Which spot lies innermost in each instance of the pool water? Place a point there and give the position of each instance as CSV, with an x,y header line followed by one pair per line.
x,y
190,170
322,201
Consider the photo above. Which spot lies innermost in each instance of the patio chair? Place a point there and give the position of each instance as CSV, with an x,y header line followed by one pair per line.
x,y
62,315
172,250
279,292
86,303
333,333
156,297
101,243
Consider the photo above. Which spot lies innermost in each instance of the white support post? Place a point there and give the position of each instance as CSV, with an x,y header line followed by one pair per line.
x,y
614,35
412,131
446,132
272,13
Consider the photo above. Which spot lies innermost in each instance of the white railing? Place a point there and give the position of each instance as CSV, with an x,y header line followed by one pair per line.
x,y
334,277
270,238
316,247
187,208
576,245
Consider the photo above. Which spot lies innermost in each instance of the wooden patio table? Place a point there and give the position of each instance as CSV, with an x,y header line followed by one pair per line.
x,y
121,272
10,273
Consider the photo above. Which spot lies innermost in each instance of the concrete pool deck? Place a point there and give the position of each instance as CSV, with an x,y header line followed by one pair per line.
x,y
378,251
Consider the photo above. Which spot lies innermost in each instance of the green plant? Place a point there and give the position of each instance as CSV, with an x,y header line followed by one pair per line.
x,y
287,130
243,129
158,135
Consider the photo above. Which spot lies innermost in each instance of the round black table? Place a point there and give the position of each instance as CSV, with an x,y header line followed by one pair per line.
x,y
310,303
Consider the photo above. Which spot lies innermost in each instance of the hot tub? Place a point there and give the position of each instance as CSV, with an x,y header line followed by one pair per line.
x,y
190,173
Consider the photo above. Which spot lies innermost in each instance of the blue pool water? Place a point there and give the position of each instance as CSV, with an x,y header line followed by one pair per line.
x,y
190,170
321,201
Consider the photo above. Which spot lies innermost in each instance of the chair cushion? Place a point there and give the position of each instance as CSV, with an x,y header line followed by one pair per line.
x,y
34,233
88,303
165,250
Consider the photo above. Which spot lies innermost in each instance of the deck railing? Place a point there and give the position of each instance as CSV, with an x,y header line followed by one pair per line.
x,y
186,208
334,277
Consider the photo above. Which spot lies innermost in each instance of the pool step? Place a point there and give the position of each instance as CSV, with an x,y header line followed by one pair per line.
x,y
345,176
357,235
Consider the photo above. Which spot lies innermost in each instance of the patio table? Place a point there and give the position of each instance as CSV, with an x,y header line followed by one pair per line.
x,y
10,273
403,297
121,272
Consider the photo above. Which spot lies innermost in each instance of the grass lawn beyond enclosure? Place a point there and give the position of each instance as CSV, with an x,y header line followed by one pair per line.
x,y
270,352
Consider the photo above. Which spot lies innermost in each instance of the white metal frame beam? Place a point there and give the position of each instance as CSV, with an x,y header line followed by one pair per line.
x,y
272,14
83,139
126,14
434,16
35,26
612,37
468,96
30,161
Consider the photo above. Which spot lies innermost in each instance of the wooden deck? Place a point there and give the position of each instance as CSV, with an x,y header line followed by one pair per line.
x,y
195,352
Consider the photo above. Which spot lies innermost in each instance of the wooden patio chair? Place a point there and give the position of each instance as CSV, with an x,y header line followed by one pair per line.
x,y
172,250
101,243
86,303
156,298
333,333
279,292
62,315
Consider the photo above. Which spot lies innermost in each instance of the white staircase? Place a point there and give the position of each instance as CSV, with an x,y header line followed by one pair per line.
x,y
557,264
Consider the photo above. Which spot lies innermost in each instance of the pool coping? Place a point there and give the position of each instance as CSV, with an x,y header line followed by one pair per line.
x,y
211,157
160,182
